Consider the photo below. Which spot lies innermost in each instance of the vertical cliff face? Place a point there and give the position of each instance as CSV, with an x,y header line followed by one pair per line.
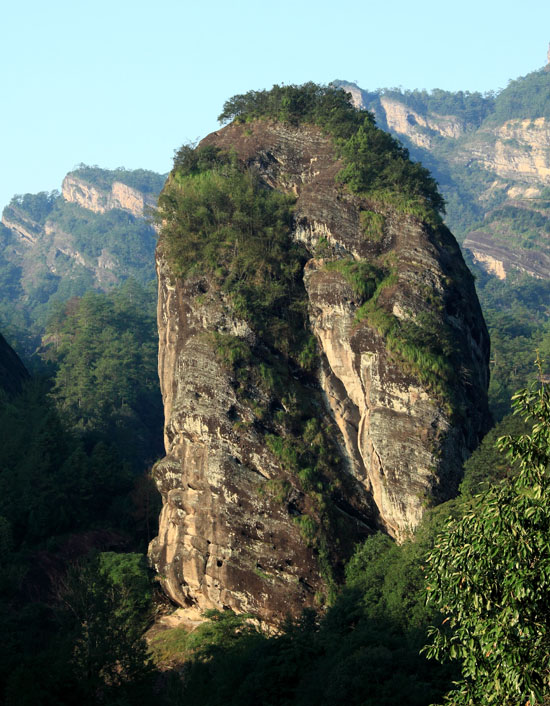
x,y
101,199
233,529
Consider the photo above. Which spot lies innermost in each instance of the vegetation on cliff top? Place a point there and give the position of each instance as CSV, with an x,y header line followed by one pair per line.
x,y
375,163
378,167
141,179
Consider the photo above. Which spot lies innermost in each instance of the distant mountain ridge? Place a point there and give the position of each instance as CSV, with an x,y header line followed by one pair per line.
x,y
92,235
491,156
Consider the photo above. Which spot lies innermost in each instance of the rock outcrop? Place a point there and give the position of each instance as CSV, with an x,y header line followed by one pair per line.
x,y
516,151
421,129
225,538
102,199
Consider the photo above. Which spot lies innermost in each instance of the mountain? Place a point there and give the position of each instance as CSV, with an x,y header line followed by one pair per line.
x,y
94,235
323,358
491,156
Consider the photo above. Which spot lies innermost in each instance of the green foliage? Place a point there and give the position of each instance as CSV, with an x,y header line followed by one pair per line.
x,y
37,207
516,312
309,103
362,652
424,345
129,239
221,632
473,107
360,274
49,482
105,351
390,580
91,251
225,225
488,465
128,575
490,574
100,624
375,163
526,97
141,179
234,352
372,224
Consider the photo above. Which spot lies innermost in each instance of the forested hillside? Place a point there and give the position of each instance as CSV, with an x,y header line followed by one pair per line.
x,y
78,507
54,246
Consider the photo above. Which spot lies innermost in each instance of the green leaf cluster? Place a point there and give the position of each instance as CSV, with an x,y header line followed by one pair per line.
x,y
37,207
223,225
525,97
104,348
489,573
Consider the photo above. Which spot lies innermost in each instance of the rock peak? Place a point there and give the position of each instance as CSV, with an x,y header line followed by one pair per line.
x,y
237,505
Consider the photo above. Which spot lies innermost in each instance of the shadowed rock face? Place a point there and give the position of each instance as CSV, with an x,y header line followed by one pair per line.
x,y
226,540
12,371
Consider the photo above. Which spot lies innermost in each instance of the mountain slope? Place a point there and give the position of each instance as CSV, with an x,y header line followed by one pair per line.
x,y
491,156
54,246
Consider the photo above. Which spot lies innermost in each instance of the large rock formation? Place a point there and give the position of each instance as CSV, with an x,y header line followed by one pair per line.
x,y
229,531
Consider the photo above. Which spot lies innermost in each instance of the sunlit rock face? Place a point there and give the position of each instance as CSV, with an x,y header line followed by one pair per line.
x,y
101,200
224,540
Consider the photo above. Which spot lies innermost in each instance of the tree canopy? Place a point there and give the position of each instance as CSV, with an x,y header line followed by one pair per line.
x,y
489,574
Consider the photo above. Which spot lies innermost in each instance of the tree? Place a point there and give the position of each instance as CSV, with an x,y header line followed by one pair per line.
x,y
104,607
489,574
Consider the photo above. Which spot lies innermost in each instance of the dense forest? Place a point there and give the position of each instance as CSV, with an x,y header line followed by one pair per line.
x,y
78,506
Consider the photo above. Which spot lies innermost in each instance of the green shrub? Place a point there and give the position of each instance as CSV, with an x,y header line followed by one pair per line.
x,y
363,277
372,224
375,163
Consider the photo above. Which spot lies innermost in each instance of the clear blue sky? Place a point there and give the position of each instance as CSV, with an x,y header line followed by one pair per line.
x,y
119,83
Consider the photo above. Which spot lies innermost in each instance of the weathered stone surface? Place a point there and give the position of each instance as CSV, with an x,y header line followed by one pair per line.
x,y
224,539
421,129
498,258
26,230
517,150
76,190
